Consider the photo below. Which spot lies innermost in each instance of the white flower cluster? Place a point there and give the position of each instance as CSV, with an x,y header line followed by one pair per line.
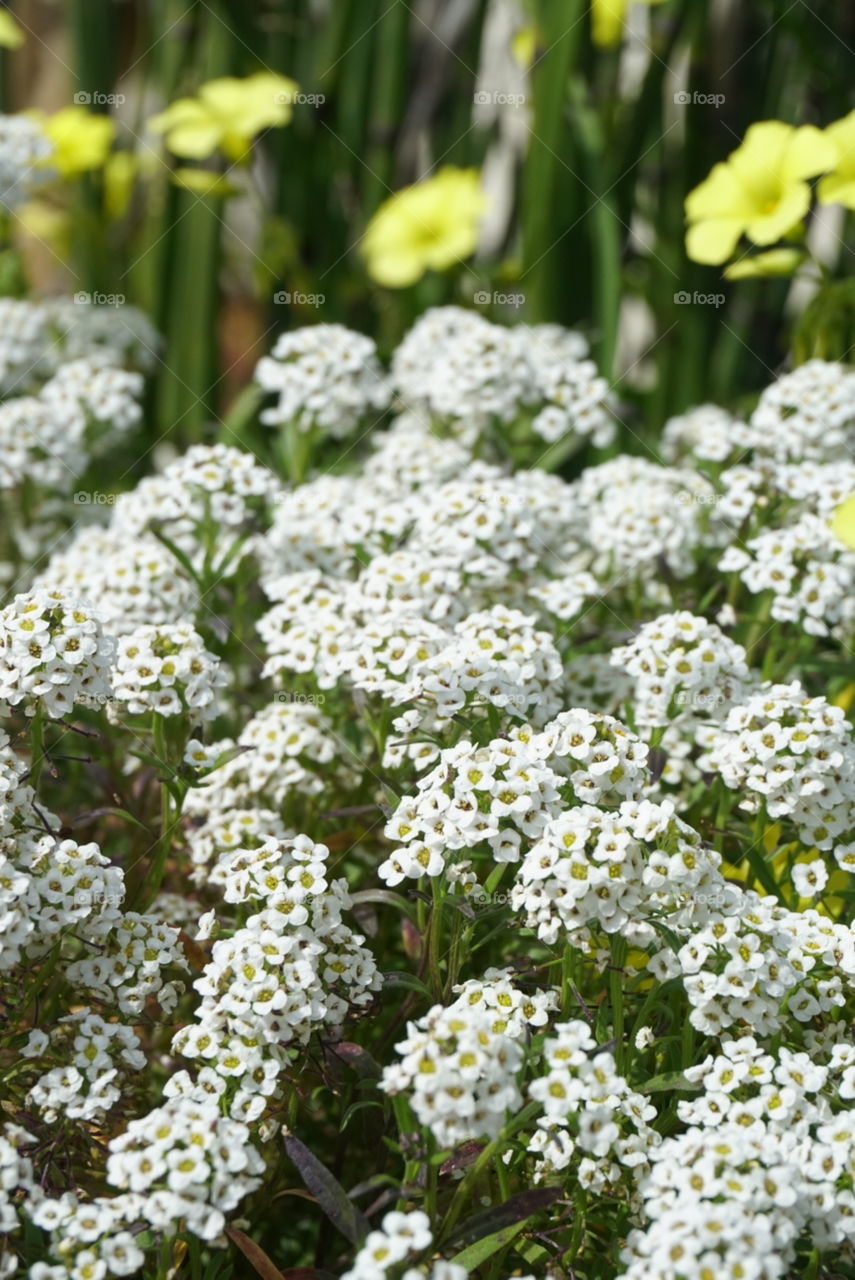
x,y
224,831
679,662
202,500
794,756
489,798
458,367
185,1160
128,969
294,967
633,516
108,396
95,1058
588,1107
459,1062
496,657
410,457
399,1236
136,581
326,378
42,442
809,413
167,670
499,798
47,438
706,433
612,871
750,962
600,758
53,653
793,552
16,1176
47,885
39,337
287,748
83,328
579,403
765,1162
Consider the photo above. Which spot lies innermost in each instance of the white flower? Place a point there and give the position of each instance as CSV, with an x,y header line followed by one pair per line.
x,y
810,878
168,670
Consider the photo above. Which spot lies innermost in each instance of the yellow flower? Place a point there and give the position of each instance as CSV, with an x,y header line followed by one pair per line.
x,y
226,114
39,220
81,139
11,35
842,523
607,19
425,227
759,191
838,187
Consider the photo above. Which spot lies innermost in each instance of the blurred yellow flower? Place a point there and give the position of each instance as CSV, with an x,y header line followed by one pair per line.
x,y
11,35
426,227
226,114
39,220
842,523
607,19
759,191
838,187
81,139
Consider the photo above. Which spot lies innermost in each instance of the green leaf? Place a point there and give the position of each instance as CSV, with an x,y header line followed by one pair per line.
x,y
475,1254
407,980
669,1080
353,1108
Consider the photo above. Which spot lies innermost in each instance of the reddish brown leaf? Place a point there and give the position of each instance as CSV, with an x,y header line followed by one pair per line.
x,y
254,1254
467,1153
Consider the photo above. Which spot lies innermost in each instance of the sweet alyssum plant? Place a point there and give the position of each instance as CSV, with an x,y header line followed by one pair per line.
x,y
421,864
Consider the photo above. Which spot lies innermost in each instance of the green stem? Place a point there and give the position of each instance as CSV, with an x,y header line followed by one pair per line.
x,y
152,881
37,741
435,938
487,1156
617,948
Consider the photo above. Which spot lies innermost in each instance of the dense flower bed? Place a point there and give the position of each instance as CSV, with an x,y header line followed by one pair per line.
x,y
464,845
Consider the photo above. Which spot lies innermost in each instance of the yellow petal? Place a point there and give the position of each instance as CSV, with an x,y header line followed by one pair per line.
x,y
428,226
189,129
838,188
11,35
713,240
120,172
205,182
842,523
81,139
841,134
810,151
789,209
720,195
775,262
607,17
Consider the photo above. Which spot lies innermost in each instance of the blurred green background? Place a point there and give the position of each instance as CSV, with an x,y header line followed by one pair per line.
x,y
586,176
